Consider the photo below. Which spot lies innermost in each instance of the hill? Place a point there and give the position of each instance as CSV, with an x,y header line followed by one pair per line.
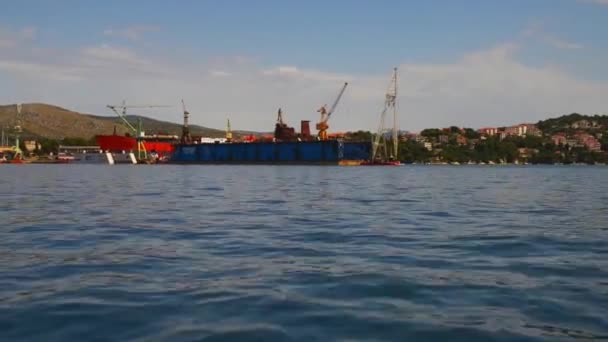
x,y
53,122
572,122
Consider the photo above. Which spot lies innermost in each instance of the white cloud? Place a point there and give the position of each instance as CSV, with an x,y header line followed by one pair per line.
x,y
10,38
561,44
219,73
599,2
28,33
297,73
106,52
106,60
536,31
482,88
37,71
132,32
493,88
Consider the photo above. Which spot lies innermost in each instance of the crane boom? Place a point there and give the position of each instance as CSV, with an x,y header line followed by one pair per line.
x,y
322,125
121,111
335,104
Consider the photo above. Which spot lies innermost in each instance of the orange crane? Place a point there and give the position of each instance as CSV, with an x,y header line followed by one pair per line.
x,y
322,125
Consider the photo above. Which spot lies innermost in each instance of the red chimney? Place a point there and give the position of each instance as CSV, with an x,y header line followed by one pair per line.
x,y
305,129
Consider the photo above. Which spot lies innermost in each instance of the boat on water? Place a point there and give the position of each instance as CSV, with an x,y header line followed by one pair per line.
x,y
147,149
11,158
158,146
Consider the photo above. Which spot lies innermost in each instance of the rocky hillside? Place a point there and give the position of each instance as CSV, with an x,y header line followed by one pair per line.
x,y
48,121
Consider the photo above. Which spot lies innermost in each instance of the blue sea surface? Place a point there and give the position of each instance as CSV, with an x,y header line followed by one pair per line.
x,y
280,253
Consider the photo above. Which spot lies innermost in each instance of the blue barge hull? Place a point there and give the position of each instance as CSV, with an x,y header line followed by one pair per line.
x,y
306,152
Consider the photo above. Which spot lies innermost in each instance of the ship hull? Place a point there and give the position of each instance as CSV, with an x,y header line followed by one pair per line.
x,y
332,152
118,143
381,163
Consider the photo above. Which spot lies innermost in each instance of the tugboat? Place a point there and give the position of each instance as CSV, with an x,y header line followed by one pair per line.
x,y
380,151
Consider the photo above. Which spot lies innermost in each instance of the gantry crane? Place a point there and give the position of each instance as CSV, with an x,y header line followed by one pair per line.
x,y
380,152
322,125
121,111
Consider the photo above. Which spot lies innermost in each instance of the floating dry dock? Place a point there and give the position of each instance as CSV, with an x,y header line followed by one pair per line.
x,y
328,152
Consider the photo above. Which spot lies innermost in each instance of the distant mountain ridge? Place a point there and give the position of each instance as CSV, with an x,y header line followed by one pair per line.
x,y
54,122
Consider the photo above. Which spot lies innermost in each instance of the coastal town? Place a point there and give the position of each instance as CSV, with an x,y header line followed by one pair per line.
x,y
569,139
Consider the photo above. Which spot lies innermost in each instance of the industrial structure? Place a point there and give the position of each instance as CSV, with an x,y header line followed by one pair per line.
x,y
286,147
381,153
282,132
186,137
228,131
12,153
141,144
322,125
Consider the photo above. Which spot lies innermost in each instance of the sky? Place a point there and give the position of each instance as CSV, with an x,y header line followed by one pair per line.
x,y
472,63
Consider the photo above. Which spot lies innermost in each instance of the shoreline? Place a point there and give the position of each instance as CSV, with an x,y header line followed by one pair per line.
x,y
54,162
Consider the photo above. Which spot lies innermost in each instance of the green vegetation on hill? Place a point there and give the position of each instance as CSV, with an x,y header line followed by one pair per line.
x,y
565,123
46,121
455,145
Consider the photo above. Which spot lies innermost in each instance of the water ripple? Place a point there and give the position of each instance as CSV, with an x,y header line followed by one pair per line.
x,y
239,253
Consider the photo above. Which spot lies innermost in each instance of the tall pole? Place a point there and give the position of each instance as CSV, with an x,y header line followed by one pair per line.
x,y
186,138
395,137
18,130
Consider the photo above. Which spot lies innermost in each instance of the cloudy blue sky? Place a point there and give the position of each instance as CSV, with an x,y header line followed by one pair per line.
x,y
469,63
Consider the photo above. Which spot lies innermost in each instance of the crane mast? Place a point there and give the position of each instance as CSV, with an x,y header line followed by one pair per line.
x,y
121,112
18,130
322,125
392,102
228,132
186,137
379,145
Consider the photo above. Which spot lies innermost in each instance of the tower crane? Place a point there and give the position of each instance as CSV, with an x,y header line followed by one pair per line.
x,y
322,125
228,132
18,129
186,137
121,111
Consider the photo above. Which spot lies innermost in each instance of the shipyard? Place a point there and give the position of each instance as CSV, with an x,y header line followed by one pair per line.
x,y
285,146
304,171
568,139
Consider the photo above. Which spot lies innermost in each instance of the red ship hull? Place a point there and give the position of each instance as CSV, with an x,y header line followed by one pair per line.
x,y
118,143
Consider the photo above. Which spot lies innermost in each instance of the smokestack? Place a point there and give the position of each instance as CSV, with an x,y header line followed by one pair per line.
x,y
305,129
